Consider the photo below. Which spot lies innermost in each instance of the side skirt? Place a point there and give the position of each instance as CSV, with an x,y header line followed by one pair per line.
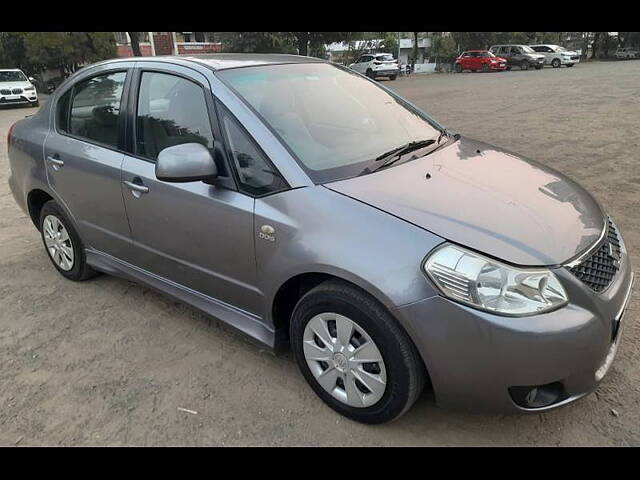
x,y
250,325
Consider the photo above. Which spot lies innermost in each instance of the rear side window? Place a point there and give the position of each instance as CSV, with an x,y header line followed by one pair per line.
x,y
95,109
171,111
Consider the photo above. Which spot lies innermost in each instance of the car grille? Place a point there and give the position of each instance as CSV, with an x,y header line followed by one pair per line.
x,y
598,270
575,58
16,91
5,91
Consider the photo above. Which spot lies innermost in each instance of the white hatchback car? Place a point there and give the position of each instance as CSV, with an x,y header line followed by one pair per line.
x,y
556,56
375,65
16,88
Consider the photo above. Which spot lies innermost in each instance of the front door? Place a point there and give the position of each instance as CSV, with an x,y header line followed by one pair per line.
x,y
83,156
195,234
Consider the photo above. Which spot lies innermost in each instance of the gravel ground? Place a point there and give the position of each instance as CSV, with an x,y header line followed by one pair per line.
x,y
108,362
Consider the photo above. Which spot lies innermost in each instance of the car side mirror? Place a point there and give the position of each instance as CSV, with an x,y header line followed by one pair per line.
x,y
32,80
187,162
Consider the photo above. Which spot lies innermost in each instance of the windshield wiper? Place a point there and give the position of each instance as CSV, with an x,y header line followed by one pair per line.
x,y
392,156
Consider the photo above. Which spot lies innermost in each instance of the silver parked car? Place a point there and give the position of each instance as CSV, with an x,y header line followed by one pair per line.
x,y
556,56
306,205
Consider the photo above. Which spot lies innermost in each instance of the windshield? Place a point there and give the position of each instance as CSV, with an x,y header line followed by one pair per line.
x,y
527,49
486,55
12,76
384,58
334,121
559,49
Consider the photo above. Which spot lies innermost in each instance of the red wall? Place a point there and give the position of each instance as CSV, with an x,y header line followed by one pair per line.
x,y
126,51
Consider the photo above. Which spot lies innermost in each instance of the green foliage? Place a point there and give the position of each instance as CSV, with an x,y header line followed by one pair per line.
x,y
390,43
258,42
66,51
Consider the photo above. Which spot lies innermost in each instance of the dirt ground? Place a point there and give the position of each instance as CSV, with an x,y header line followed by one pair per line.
x,y
108,362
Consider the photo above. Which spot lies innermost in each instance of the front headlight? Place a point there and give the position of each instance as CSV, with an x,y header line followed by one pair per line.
x,y
489,285
30,88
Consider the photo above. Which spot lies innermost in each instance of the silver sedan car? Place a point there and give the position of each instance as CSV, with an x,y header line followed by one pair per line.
x,y
312,208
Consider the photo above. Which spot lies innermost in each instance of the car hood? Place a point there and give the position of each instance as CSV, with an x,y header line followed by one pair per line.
x,y
22,85
487,199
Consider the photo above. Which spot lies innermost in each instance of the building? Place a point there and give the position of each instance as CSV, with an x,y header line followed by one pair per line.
x,y
167,43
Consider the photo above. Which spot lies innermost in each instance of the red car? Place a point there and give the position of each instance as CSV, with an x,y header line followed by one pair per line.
x,y
482,60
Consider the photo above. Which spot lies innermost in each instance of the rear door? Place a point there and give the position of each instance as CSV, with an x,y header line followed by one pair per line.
x,y
84,154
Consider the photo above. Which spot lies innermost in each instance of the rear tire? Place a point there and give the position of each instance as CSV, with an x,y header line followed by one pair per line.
x,y
62,243
370,74
393,77
485,68
399,369
570,65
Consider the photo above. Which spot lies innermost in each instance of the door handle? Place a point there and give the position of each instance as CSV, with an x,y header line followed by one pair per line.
x,y
56,163
137,187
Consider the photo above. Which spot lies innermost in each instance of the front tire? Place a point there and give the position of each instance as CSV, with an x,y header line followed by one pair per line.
x,y
334,328
524,65
485,68
555,63
458,68
62,243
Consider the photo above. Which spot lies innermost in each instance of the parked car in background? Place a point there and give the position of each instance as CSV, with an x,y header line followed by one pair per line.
x,y
17,89
310,207
375,65
556,56
479,61
521,56
627,53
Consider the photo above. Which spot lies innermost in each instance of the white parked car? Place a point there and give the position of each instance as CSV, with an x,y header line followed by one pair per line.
x,y
375,65
627,53
16,88
556,56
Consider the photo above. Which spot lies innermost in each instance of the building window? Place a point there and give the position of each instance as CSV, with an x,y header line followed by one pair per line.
x,y
121,37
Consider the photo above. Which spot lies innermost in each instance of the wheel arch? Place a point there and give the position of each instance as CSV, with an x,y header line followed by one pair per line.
x,y
295,286
35,201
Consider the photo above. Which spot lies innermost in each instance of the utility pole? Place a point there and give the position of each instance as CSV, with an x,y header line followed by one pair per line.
x,y
398,46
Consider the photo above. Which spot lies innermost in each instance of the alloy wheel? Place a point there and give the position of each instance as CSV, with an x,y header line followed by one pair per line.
x,y
58,242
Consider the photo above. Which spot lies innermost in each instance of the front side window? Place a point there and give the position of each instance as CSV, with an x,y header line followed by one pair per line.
x,y
171,111
95,108
255,174
334,121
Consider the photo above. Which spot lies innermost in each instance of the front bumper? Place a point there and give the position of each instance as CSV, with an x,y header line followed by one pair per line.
x,y
23,98
475,357
386,72
569,61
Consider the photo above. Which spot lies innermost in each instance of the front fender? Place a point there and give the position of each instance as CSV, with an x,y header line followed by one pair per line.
x,y
317,230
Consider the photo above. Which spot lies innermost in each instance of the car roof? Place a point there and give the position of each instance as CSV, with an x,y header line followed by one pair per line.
x,y
476,50
10,70
223,61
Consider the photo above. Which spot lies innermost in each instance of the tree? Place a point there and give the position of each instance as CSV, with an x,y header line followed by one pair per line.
x,y
390,43
67,51
258,42
135,43
414,54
